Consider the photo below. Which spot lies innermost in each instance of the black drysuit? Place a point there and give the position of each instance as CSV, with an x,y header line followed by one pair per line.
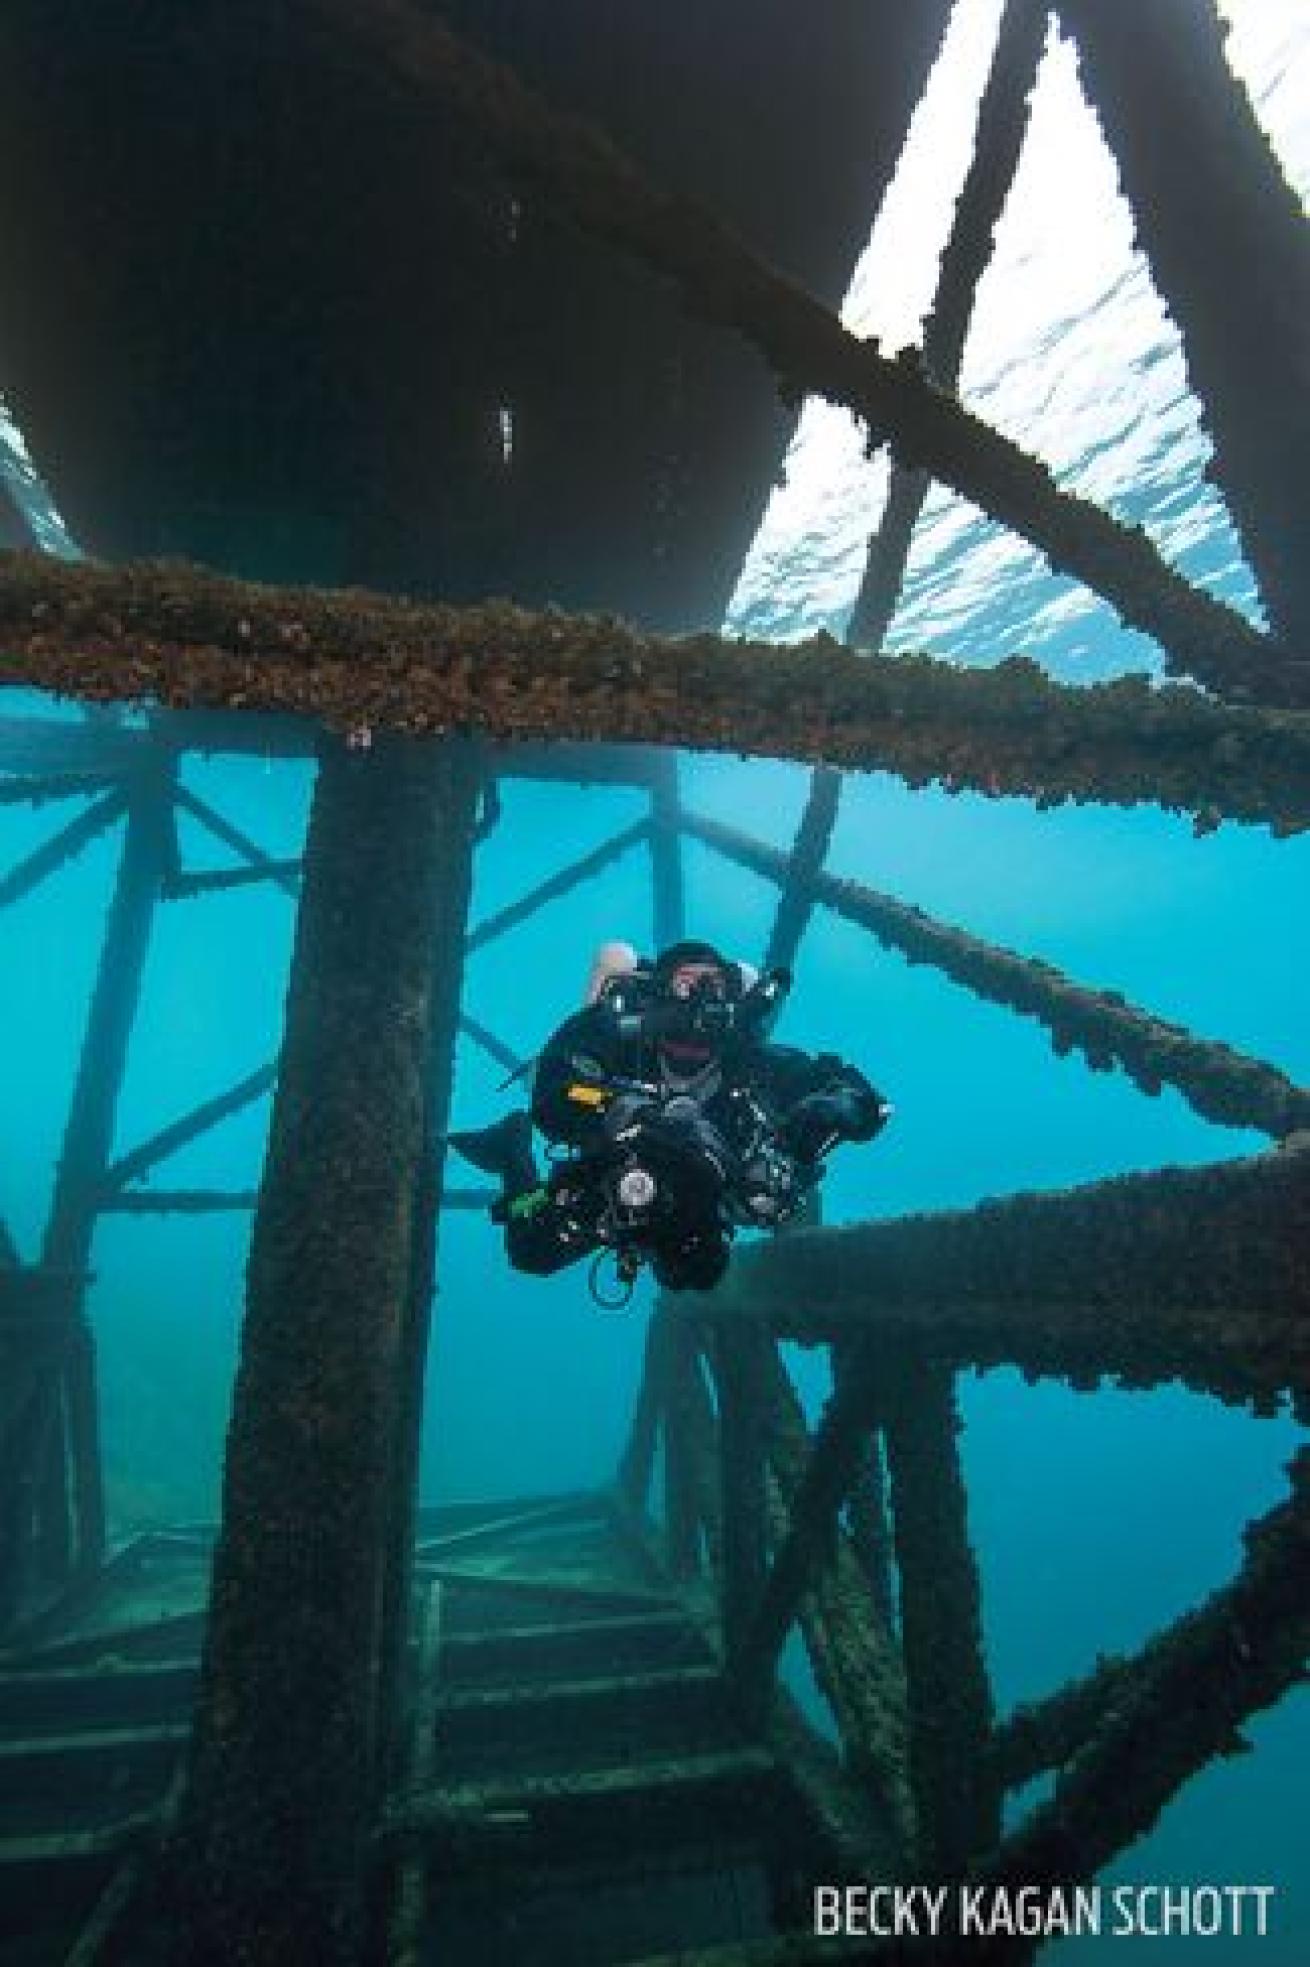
x,y
602,1079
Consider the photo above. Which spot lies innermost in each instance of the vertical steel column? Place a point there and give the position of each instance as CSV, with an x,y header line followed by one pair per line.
x,y
291,1734
1226,241
871,1530
957,1804
681,1528
668,902
458,797
742,1441
71,1528
1002,126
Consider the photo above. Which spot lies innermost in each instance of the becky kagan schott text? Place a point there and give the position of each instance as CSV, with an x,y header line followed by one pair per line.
x,y
1139,1911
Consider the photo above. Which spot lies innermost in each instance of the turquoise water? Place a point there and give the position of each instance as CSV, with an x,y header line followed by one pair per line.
x,y
1097,1518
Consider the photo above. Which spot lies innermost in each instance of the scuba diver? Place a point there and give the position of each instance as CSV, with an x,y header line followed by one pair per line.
x,y
675,1121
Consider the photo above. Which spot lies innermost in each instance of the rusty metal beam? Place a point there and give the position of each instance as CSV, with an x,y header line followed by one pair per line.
x,y
1184,1703
1195,1274
487,1041
72,1526
318,1449
287,876
180,1133
1238,285
741,1389
1001,129
668,892
957,1800
36,790
811,1537
799,897
579,171
556,885
65,846
1222,1084
186,636
179,1202
855,1658
184,886
40,749
638,1458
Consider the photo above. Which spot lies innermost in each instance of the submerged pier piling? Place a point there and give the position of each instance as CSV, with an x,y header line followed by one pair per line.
x,y
291,1732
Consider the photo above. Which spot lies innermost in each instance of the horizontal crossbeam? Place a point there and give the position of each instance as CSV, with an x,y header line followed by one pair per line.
x,y
285,873
555,886
217,880
1183,1702
42,748
487,1041
1195,1274
62,848
577,169
180,1133
36,791
187,637
179,1201
1221,1084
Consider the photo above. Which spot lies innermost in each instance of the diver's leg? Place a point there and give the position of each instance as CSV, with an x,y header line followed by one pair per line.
x,y
694,1265
503,1149
542,1235
692,1257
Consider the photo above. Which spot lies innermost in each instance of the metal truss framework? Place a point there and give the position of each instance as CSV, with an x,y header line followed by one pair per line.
x,y
856,1530
136,787
785,1525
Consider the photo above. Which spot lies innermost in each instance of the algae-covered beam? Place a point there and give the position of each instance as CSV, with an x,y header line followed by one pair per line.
x,y
35,791
183,887
1184,1704
286,877
139,1161
683,1405
72,1521
797,901
949,1700
1051,1733
1237,1654
41,750
185,636
291,1728
456,816
1045,1734
739,1366
1225,235
56,853
495,1048
668,897
854,1657
1222,1084
638,1458
574,167
1001,128
179,1202
867,1507
1196,1274
556,885
811,1539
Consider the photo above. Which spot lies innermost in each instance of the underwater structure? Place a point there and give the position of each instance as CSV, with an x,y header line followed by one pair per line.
x,y
321,1733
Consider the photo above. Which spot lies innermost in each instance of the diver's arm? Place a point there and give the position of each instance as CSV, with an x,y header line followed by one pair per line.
x,y
821,1100
570,1093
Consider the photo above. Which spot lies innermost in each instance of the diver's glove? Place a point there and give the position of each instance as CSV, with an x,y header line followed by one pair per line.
x,y
627,1111
852,1112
